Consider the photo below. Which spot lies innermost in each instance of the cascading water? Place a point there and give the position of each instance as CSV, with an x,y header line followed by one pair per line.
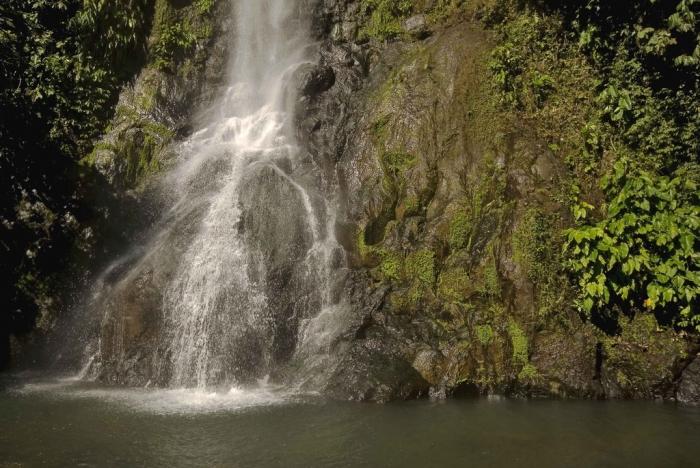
x,y
242,261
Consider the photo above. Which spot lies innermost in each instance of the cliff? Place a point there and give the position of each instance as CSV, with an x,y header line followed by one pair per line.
x,y
463,137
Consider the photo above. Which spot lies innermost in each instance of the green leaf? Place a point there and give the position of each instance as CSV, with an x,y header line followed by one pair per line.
x,y
624,250
687,241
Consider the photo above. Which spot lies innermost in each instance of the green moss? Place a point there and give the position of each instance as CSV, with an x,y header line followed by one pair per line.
x,y
90,159
484,333
408,299
480,207
460,230
497,310
420,266
158,130
415,294
519,342
531,247
536,248
642,355
443,9
391,265
397,162
454,285
528,373
380,129
411,205
363,249
490,284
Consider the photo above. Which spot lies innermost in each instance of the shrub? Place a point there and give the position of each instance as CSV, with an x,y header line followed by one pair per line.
x,y
642,255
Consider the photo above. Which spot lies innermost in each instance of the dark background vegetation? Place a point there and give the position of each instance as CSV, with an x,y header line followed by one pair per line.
x,y
62,63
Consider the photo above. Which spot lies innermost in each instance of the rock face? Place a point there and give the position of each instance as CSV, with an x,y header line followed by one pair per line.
x,y
452,211
158,107
689,387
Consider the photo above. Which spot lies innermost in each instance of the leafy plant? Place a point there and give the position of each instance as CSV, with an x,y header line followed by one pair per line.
x,y
638,254
173,41
507,68
642,255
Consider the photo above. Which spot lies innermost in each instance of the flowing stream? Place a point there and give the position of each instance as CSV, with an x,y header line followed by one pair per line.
x,y
245,257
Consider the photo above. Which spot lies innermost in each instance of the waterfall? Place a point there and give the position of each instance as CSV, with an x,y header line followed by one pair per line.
x,y
243,258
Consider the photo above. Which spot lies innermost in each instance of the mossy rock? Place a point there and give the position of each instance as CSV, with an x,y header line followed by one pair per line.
x,y
420,266
454,285
639,362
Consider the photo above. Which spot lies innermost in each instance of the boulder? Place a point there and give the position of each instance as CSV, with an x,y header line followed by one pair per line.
x,y
689,385
417,26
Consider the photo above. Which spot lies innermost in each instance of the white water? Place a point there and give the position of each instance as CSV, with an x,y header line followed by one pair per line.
x,y
249,226
213,300
164,401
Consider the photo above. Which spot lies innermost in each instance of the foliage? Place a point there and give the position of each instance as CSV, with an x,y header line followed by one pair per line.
x,y
112,30
204,6
636,253
63,62
173,42
643,254
524,37
648,54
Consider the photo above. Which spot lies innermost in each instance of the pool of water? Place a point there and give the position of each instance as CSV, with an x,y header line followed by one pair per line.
x,y
66,423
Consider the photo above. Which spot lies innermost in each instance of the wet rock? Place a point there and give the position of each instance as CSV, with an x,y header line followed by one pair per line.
x,y
315,79
639,362
429,364
689,385
417,26
566,360
278,233
372,372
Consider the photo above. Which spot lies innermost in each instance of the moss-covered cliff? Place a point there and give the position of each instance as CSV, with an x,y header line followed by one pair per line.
x,y
471,145
468,141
